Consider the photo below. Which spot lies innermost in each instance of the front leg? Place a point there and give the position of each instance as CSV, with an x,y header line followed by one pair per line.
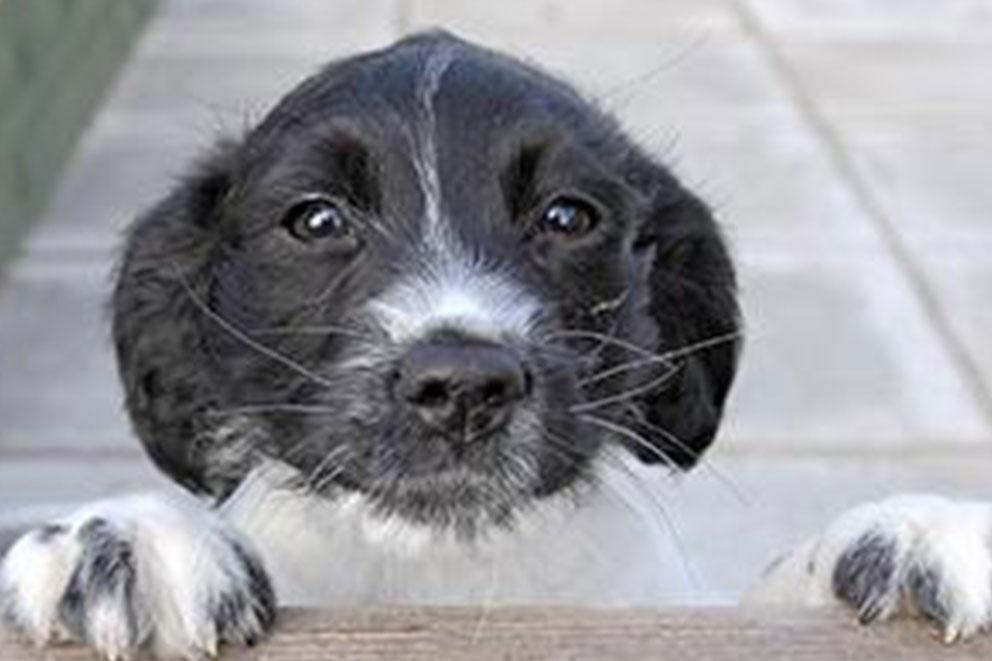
x,y
144,572
923,556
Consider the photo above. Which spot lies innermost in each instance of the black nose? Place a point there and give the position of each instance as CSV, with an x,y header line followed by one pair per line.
x,y
464,389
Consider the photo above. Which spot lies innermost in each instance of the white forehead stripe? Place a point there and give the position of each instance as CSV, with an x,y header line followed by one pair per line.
x,y
458,296
425,160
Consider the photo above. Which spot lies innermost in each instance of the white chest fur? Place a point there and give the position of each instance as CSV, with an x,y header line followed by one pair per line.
x,y
607,547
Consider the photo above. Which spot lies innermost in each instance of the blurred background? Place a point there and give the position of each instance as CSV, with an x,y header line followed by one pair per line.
x,y
845,144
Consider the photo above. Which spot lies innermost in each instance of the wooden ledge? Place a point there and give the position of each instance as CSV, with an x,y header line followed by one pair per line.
x,y
693,634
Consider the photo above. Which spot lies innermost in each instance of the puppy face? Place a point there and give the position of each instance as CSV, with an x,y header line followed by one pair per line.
x,y
435,277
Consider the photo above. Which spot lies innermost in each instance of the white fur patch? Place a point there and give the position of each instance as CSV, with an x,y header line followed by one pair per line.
x,y
425,160
457,293
610,548
184,562
948,538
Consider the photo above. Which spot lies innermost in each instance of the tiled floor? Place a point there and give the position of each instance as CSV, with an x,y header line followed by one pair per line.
x,y
845,144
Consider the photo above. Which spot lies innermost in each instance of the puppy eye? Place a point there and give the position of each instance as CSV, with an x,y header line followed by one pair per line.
x,y
317,219
569,217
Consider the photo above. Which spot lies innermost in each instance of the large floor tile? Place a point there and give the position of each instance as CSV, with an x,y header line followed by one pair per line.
x,y
929,174
557,20
232,90
766,177
38,489
921,153
198,75
952,20
737,515
686,55
961,280
108,183
58,384
892,76
930,178
339,20
840,354
31,487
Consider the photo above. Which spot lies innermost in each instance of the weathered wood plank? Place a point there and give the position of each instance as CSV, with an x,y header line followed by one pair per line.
x,y
690,634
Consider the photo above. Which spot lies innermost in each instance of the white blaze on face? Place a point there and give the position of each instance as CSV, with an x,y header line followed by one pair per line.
x,y
448,289
425,159
458,294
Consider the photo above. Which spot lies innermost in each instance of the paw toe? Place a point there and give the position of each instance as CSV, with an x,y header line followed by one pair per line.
x,y
864,576
98,604
245,613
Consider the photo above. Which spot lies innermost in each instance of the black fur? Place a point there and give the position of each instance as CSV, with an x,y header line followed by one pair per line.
x,y
256,602
925,588
865,575
211,268
105,573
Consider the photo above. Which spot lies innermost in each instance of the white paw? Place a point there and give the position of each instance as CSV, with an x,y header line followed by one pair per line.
x,y
915,555
136,573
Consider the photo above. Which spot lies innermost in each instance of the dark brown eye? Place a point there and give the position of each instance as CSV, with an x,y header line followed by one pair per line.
x,y
317,219
568,217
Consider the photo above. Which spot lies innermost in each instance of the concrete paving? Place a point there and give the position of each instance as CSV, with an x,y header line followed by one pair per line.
x,y
844,144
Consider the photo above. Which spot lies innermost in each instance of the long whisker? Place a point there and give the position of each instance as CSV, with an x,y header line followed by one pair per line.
x,y
665,357
714,341
321,484
627,394
618,369
633,436
243,337
667,517
322,329
718,474
314,477
273,408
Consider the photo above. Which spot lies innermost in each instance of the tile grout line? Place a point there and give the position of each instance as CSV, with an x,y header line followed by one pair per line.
x,y
844,166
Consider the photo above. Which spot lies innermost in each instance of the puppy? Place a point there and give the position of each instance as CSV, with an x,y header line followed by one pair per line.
x,y
432,332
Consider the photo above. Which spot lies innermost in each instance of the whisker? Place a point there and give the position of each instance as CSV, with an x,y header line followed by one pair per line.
x,y
718,474
666,516
272,408
627,394
240,335
299,446
314,477
603,339
703,344
632,435
617,369
320,485
665,357
322,329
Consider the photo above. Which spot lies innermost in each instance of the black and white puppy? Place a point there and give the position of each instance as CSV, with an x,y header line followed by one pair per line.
x,y
432,332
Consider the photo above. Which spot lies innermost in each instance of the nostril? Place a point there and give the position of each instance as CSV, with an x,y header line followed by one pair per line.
x,y
430,392
465,389
494,393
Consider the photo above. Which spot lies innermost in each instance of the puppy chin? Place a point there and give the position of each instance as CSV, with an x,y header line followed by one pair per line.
x,y
457,502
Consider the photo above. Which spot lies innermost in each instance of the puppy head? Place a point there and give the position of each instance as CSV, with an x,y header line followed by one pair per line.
x,y
431,275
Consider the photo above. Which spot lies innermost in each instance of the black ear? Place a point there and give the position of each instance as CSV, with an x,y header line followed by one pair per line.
x,y
157,325
693,303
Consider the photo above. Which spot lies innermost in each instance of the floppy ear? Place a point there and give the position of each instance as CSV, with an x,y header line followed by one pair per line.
x,y
693,303
157,326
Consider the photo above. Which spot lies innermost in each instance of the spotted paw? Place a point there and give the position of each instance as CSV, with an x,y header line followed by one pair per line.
x,y
138,573
921,556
